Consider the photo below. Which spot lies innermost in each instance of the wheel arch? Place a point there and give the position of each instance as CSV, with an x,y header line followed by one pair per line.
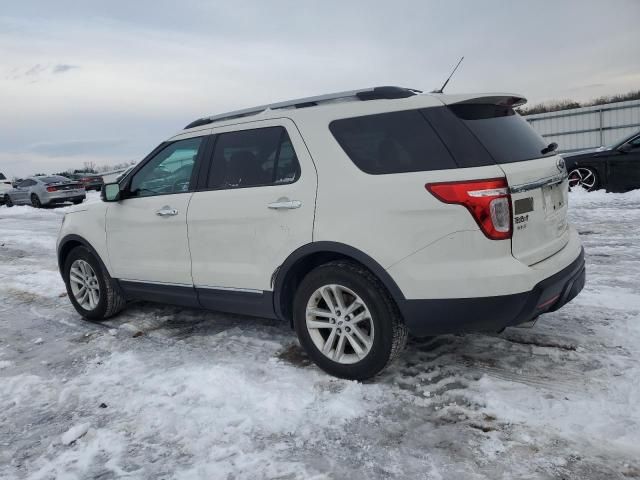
x,y
288,275
71,241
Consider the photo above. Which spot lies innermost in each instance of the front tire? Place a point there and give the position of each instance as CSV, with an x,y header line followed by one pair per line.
x,y
347,322
7,201
91,289
78,202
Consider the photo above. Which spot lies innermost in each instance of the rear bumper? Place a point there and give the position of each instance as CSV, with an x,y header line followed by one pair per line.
x,y
454,315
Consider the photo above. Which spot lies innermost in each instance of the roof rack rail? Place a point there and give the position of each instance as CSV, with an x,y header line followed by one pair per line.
x,y
373,93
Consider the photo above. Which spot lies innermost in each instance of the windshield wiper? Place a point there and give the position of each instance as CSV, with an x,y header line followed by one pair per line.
x,y
549,148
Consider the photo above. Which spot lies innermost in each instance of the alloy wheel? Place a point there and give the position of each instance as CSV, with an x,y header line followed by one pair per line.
x,y
582,177
339,324
84,284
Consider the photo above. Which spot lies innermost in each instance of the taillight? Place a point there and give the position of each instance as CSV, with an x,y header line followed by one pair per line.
x,y
52,189
488,201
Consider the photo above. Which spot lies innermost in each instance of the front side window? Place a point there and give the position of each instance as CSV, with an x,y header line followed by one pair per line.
x,y
169,171
251,158
26,183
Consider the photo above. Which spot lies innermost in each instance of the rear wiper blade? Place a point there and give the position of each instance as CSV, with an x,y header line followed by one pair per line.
x,y
549,148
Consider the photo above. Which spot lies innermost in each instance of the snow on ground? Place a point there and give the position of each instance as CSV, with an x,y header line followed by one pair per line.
x,y
164,392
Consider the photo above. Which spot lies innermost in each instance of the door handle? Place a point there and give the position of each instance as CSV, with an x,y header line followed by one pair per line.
x,y
167,211
285,204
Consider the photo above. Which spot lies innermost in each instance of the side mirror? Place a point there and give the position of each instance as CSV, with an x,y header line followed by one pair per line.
x,y
625,147
111,192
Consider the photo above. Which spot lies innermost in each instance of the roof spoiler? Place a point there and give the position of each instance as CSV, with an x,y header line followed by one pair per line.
x,y
502,99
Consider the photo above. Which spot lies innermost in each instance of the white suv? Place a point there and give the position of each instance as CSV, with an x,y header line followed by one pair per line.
x,y
358,217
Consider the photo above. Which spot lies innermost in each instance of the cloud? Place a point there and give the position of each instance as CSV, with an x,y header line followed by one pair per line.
x,y
35,70
38,71
140,71
61,68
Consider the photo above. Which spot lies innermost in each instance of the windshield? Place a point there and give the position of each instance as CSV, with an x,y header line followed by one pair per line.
x,y
622,142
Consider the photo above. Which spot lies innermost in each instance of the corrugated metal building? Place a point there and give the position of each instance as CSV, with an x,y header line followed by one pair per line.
x,y
588,127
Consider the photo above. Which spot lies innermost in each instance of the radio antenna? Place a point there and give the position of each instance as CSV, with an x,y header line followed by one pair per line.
x,y
449,78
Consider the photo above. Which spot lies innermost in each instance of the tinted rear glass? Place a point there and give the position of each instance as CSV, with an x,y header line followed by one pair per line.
x,y
392,142
504,133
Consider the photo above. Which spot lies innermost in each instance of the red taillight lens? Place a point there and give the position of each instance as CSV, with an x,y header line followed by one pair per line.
x,y
51,189
488,201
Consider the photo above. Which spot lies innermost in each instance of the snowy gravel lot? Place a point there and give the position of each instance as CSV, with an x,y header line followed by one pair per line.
x,y
162,392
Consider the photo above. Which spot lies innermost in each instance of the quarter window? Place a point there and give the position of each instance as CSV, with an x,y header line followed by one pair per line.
x,y
251,158
392,142
169,171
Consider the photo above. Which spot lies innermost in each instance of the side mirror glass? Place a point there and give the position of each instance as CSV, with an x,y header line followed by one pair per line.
x,y
111,192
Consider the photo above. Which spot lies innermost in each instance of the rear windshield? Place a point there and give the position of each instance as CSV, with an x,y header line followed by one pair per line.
x,y
393,142
53,179
2,177
503,132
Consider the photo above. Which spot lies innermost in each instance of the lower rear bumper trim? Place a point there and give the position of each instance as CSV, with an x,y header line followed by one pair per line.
x,y
456,315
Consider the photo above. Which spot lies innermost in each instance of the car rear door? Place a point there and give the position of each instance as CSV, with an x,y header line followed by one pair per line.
x,y
255,208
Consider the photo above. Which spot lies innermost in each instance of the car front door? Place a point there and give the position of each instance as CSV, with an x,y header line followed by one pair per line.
x,y
256,208
147,230
624,168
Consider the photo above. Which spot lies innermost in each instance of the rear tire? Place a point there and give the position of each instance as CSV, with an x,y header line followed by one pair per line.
x,y
82,268
372,333
7,201
35,201
78,202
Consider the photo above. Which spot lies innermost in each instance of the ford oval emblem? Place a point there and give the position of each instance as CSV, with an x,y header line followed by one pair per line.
x,y
560,164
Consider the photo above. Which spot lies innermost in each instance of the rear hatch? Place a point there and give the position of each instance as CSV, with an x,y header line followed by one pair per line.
x,y
536,176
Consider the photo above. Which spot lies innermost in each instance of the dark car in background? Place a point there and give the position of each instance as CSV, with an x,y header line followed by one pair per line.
x,y
89,180
615,168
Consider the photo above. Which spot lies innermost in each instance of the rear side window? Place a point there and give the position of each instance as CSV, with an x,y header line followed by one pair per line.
x,y
504,133
252,158
393,142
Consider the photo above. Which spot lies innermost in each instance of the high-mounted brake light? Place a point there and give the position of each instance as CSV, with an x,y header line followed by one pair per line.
x,y
488,201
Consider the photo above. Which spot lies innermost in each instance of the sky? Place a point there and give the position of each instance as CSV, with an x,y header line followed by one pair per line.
x,y
105,82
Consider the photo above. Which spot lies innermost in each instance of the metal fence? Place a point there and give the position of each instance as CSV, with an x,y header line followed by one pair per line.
x,y
588,127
